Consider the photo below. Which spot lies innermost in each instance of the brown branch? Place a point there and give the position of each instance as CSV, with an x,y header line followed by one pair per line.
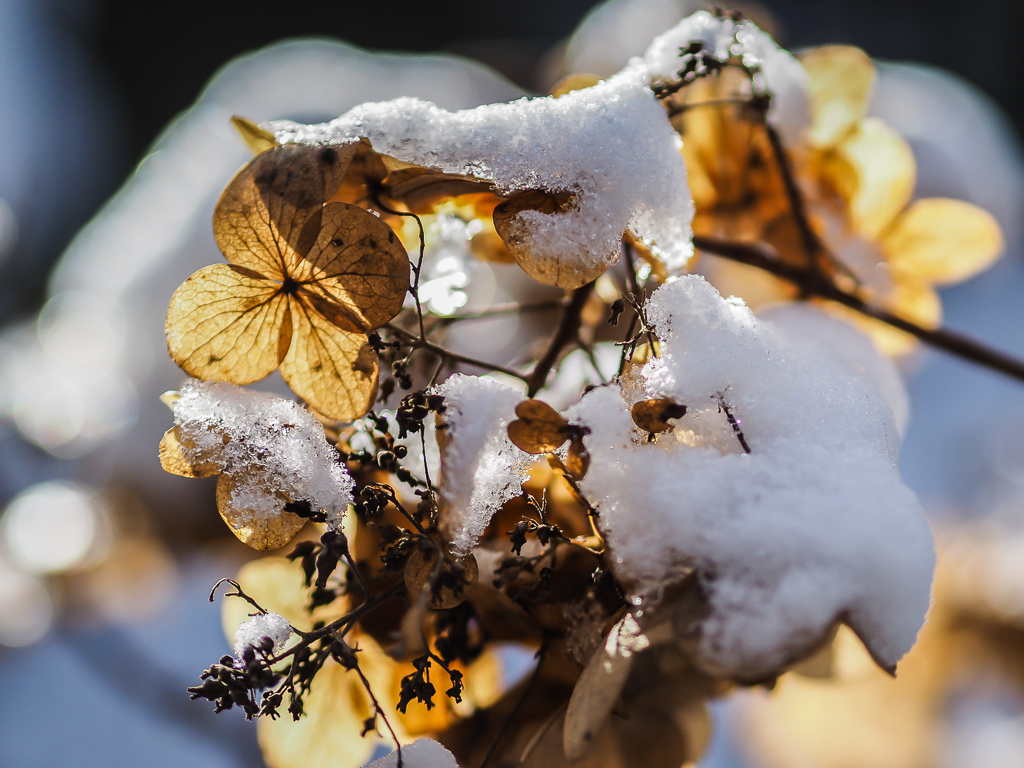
x,y
417,343
812,283
568,328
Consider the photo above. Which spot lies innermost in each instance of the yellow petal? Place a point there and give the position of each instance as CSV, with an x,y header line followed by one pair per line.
x,y
226,324
874,171
358,264
943,241
269,214
333,370
842,80
327,736
252,528
173,459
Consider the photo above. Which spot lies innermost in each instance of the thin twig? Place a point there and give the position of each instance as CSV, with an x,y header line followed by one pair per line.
x,y
417,343
502,309
812,283
568,327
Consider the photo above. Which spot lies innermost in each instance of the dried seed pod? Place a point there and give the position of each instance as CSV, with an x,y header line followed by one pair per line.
x,y
653,415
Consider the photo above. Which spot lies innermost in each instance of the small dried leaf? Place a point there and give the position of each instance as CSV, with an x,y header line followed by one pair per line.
x,y
562,271
654,415
256,138
224,323
943,241
595,694
539,428
333,370
173,459
875,171
252,529
457,578
577,461
842,80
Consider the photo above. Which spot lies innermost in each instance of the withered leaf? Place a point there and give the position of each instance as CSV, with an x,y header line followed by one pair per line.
x,y
456,579
593,699
173,459
577,460
560,271
539,428
267,216
258,533
653,415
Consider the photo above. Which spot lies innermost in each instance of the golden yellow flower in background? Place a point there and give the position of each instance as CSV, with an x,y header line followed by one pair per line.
x,y
857,177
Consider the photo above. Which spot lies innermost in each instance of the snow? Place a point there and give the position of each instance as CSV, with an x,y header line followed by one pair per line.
x,y
422,753
780,73
480,468
812,526
252,632
269,445
611,145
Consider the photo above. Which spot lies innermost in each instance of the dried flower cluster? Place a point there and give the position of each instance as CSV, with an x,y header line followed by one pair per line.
x,y
659,492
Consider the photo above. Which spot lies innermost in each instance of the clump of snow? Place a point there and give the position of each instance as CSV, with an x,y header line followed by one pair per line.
x,y
252,632
611,146
812,526
780,74
422,753
480,467
271,447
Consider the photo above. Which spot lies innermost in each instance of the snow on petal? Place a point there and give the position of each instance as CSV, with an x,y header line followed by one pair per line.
x,y
611,146
273,446
480,467
813,526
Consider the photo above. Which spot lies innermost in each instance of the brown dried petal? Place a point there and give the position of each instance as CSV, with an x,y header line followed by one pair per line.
x,y
539,428
173,459
653,415
593,699
563,271
333,370
271,533
577,461
357,264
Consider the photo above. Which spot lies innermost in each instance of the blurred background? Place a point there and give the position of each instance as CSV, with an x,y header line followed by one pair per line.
x,y
116,144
